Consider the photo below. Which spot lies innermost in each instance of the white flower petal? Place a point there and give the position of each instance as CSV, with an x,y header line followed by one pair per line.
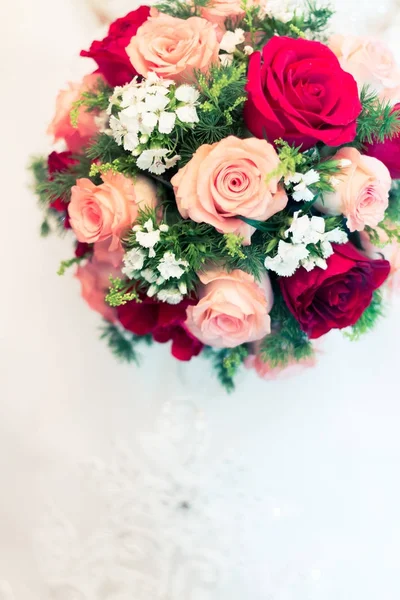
x,y
187,114
166,122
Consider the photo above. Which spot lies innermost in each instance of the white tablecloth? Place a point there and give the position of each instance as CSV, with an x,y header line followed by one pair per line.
x,y
122,483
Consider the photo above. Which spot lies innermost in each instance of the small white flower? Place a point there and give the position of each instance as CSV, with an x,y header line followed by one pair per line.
x,y
182,287
305,230
344,163
231,39
170,296
248,50
160,280
187,114
148,122
144,138
152,291
149,275
148,239
170,266
164,227
171,162
156,102
334,181
153,160
301,192
226,59
166,122
187,94
133,261
288,258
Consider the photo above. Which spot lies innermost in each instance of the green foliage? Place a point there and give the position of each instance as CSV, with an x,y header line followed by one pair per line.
x,y
233,245
288,342
122,343
181,8
67,264
291,161
220,109
310,22
368,319
121,292
393,210
104,149
226,363
377,121
96,99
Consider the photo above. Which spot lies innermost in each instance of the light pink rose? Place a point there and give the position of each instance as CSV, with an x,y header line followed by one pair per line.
x,y
218,11
265,371
94,277
370,62
361,191
233,309
106,211
228,179
173,48
61,127
389,250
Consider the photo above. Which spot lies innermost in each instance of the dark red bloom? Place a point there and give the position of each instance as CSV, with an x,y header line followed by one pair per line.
x,y
82,248
110,54
387,152
298,91
335,298
164,322
56,163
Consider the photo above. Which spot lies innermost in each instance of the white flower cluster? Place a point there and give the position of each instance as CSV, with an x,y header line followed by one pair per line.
x,y
228,44
295,253
301,182
157,274
142,113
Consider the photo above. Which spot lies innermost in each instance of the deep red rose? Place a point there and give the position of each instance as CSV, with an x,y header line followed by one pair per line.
x,y
388,152
298,91
336,298
56,163
82,248
110,55
164,322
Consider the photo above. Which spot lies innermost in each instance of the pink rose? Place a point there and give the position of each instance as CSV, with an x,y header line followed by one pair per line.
x,y
265,371
218,11
106,211
95,280
389,250
173,48
228,179
361,191
233,309
61,127
370,62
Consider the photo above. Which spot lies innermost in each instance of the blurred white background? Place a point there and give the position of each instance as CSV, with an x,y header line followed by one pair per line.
x,y
152,484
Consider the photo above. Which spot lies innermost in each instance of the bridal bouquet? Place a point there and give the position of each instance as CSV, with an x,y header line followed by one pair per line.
x,y
228,172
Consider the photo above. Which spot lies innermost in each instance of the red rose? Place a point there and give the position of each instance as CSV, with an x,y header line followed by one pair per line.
x,y
387,152
298,91
110,55
164,322
336,298
56,163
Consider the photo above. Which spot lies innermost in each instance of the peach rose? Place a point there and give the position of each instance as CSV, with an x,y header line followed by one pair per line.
x,y
218,11
361,191
106,211
267,372
389,250
228,179
173,48
233,309
370,62
94,277
61,127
